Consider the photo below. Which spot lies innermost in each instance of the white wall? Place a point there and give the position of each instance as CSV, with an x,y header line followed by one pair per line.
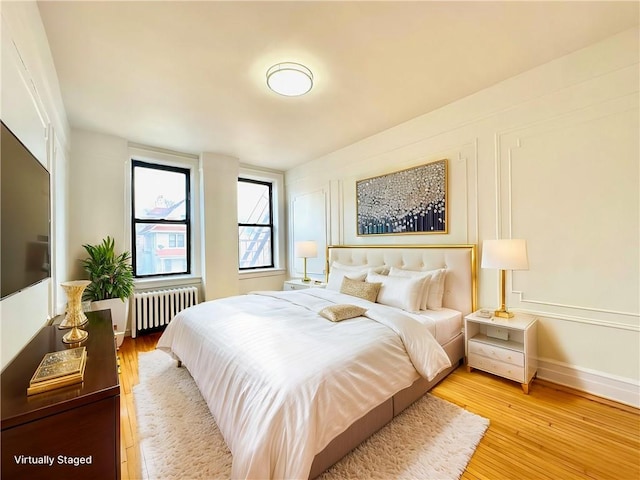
x,y
96,194
220,220
59,221
32,108
551,156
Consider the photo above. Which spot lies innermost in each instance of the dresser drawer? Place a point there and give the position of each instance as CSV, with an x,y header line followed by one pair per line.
x,y
502,354
496,367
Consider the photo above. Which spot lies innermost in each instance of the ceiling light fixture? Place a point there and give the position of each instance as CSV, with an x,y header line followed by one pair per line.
x,y
289,79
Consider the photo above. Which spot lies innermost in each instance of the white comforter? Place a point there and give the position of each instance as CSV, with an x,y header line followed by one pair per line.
x,y
282,381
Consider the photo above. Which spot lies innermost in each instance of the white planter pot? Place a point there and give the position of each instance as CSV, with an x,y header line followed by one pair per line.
x,y
119,315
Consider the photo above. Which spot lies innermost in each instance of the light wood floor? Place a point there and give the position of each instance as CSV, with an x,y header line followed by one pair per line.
x,y
552,433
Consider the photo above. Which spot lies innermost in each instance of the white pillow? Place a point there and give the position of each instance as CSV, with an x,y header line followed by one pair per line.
x,y
426,282
359,268
435,290
400,292
337,274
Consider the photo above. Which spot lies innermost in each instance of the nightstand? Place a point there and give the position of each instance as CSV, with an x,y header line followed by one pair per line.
x,y
298,284
503,347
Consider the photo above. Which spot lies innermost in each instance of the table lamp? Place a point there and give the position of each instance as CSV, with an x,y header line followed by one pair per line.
x,y
504,254
306,249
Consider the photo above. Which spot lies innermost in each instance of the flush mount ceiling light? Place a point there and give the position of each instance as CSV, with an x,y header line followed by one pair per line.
x,y
289,79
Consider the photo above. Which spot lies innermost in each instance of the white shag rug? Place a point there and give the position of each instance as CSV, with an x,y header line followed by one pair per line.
x,y
432,439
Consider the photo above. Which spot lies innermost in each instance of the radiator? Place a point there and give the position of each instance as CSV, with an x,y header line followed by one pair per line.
x,y
157,308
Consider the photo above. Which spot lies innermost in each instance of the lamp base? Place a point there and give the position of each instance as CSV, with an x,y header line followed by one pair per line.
x,y
503,314
75,335
305,279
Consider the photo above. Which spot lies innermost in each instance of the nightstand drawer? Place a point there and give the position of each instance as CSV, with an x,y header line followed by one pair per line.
x,y
497,367
502,354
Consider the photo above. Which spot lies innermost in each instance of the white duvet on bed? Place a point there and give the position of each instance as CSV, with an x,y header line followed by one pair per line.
x,y
444,324
282,381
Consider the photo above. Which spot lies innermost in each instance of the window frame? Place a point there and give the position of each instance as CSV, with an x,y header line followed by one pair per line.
x,y
270,225
136,221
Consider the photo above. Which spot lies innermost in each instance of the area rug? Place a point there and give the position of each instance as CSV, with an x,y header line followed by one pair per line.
x,y
432,439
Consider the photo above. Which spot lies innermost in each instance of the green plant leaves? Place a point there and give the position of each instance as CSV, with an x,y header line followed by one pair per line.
x,y
111,275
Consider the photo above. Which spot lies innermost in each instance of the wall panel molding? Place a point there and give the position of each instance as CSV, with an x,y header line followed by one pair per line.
x,y
584,320
309,218
582,179
23,110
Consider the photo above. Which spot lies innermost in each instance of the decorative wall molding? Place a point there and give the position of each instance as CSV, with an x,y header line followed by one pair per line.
x,y
29,84
335,224
510,141
601,384
475,182
23,111
580,307
308,220
583,320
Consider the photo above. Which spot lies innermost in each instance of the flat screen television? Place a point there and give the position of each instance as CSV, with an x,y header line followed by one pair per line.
x,y
25,216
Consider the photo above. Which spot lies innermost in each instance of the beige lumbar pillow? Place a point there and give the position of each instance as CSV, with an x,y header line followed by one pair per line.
x,y
367,290
337,313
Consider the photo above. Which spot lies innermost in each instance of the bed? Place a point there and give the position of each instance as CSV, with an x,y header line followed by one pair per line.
x,y
292,391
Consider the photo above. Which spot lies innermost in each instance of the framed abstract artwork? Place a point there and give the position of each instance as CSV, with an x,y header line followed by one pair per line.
x,y
409,201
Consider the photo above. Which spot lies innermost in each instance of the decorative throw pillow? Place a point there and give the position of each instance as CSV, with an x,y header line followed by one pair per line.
x,y
367,290
399,292
337,313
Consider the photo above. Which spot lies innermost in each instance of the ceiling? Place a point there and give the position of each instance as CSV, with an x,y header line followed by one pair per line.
x,y
190,76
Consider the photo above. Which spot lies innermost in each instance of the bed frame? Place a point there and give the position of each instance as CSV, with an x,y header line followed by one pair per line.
x,y
460,294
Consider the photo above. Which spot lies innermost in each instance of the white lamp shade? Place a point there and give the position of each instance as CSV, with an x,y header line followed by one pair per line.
x,y
306,249
505,254
290,79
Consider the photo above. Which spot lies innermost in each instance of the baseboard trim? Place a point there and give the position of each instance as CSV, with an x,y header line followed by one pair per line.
x,y
610,387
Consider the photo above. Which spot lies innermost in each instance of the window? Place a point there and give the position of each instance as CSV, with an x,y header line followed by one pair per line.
x,y
255,224
161,223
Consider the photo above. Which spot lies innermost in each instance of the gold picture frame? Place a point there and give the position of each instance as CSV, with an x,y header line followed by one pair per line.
x,y
409,201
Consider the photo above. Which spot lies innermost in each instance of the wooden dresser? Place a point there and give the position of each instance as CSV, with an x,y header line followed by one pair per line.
x,y
72,432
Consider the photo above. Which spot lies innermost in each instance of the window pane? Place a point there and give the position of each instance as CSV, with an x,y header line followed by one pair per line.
x,y
255,247
154,253
159,194
253,203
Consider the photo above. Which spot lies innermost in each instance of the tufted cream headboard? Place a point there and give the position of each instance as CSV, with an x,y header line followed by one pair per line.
x,y
460,289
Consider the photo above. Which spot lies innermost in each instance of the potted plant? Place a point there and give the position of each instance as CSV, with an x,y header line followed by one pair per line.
x,y
111,285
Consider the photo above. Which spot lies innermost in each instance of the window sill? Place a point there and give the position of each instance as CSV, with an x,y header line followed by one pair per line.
x,y
262,272
162,282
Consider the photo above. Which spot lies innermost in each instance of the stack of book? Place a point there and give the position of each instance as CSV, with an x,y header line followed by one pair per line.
x,y
59,369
